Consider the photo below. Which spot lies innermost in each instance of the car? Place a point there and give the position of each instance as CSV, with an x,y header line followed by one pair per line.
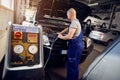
x,y
105,66
104,35
58,49
95,20
53,19
55,47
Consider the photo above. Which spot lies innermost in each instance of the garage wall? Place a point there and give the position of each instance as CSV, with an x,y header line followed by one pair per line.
x,y
115,21
19,11
6,15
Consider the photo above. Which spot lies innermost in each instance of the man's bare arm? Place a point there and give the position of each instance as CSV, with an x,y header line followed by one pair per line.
x,y
64,31
68,36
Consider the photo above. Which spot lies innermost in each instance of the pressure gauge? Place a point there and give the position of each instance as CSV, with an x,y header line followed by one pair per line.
x,y
33,49
18,49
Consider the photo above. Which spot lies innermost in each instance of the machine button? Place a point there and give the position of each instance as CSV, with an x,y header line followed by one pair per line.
x,y
18,35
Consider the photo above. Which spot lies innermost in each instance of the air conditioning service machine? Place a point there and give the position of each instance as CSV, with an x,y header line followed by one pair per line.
x,y
24,54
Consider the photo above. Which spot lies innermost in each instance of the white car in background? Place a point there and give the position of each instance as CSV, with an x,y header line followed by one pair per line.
x,y
104,35
95,20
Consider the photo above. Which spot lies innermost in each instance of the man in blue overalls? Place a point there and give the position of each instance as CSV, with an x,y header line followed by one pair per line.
x,y
75,45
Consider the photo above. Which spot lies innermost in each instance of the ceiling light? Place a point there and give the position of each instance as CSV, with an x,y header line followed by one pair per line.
x,y
93,4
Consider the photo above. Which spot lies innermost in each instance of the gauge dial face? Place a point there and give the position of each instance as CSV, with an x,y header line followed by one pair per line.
x,y
33,49
18,49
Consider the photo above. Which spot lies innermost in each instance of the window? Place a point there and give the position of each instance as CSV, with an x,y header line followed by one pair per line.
x,y
8,4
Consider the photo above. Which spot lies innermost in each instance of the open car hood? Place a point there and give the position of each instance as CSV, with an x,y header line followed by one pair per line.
x,y
58,8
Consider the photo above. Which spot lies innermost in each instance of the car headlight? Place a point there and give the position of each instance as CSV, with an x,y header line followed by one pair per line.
x,y
101,36
89,42
46,40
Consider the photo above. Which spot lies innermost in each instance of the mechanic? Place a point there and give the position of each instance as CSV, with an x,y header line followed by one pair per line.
x,y
75,45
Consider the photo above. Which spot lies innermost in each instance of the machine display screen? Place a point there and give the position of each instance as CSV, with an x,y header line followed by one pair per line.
x,y
32,37
24,46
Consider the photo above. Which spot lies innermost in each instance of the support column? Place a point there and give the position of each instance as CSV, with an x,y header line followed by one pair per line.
x,y
27,3
112,16
0,2
19,11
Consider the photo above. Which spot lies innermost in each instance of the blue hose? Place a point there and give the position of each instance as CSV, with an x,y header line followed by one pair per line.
x,y
50,52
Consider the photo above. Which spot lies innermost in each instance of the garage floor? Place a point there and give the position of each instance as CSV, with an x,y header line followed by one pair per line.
x,y
59,73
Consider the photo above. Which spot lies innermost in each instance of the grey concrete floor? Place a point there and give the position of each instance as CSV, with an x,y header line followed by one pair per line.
x,y
61,71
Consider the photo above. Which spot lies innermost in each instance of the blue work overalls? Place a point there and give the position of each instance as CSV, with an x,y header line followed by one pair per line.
x,y
75,48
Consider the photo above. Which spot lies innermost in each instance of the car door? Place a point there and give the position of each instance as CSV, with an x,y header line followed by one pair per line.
x,y
106,66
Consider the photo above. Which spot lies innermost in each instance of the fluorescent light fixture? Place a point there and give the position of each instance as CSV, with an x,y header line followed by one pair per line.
x,y
93,4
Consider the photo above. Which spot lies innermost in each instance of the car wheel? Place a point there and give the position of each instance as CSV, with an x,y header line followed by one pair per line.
x,y
108,42
88,22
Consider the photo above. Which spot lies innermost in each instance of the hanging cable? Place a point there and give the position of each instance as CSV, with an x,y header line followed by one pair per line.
x,y
50,52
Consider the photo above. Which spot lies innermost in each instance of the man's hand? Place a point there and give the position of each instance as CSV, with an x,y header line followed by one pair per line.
x,y
60,35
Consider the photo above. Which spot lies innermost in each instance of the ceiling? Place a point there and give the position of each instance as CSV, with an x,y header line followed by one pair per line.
x,y
102,6
97,6
54,8
101,2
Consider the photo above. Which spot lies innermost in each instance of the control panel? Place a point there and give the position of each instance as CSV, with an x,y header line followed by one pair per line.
x,y
24,46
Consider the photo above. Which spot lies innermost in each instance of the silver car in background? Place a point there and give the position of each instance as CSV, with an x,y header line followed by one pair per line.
x,y
104,35
95,20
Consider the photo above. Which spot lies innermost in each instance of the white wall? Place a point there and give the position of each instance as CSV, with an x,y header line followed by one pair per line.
x,y
6,15
2,45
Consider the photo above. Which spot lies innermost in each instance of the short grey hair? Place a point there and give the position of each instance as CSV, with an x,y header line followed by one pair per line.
x,y
72,11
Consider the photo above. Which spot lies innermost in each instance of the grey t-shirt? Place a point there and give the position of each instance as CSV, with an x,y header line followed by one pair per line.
x,y
76,24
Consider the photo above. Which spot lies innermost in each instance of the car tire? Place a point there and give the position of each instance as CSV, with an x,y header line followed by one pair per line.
x,y
88,21
108,42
